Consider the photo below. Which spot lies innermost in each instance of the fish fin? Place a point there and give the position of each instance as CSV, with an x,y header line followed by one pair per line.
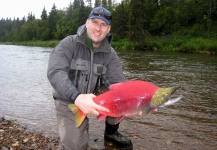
x,y
101,117
114,86
79,115
119,119
147,109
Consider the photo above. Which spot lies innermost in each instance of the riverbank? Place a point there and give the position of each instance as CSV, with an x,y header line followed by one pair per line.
x,y
166,44
14,136
33,43
170,44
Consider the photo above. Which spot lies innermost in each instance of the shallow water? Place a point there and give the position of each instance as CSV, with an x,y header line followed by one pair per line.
x,y
25,95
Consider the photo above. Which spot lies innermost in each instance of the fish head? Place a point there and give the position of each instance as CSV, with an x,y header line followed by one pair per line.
x,y
162,97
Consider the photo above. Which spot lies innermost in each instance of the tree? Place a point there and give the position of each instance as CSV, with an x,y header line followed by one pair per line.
x,y
151,9
89,3
104,3
109,4
63,26
69,11
80,15
97,3
29,31
120,20
136,32
76,4
52,20
44,14
83,13
133,19
30,17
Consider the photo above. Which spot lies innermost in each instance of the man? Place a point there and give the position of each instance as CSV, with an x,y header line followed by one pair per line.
x,y
78,65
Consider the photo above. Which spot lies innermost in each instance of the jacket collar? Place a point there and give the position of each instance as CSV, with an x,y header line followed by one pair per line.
x,y
82,34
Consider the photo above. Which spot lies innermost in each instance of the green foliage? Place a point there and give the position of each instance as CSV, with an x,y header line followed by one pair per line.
x,y
177,44
126,44
136,21
104,3
97,3
157,44
34,43
211,47
120,21
200,45
44,14
186,25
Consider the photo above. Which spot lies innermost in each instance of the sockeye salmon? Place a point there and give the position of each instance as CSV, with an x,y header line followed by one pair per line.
x,y
129,98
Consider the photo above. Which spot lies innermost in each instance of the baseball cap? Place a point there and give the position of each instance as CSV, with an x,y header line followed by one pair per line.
x,y
101,13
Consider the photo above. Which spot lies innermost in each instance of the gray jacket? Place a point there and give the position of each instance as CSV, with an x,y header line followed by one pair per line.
x,y
75,68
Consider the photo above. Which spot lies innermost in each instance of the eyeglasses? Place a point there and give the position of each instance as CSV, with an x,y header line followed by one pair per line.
x,y
98,13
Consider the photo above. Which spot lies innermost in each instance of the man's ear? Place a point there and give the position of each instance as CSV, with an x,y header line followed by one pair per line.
x,y
109,29
87,21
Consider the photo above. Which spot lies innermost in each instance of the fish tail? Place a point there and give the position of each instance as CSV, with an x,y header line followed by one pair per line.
x,y
79,115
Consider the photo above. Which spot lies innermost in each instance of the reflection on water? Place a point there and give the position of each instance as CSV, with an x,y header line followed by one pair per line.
x,y
25,95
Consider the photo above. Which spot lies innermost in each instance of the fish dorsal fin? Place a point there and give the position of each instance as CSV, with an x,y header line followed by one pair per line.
x,y
114,86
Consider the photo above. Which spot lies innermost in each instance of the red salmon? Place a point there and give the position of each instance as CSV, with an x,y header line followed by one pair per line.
x,y
129,98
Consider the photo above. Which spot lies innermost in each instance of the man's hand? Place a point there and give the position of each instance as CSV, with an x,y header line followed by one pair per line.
x,y
86,104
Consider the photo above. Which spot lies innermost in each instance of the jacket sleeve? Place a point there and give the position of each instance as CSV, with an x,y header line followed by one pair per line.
x,y
114,72
58,70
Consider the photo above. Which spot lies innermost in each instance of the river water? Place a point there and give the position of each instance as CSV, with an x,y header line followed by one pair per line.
x,y
25,95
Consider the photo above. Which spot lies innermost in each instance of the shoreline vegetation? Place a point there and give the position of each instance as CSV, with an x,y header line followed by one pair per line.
x,y
186,45
169,26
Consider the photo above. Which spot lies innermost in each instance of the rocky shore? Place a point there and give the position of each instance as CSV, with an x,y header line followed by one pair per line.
x,y
16,137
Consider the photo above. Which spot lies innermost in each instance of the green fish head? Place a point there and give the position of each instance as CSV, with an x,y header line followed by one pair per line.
x,y
162,95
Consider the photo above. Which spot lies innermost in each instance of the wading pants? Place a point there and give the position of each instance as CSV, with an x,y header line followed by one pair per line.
x,y
72,138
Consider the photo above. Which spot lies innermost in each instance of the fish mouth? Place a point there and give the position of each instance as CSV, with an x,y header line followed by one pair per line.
x,y
171,101
169,96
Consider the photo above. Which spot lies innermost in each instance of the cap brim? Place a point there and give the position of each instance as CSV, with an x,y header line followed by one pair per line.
x,y
100,17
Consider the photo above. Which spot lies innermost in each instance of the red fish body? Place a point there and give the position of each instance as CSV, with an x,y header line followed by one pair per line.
x,y
127,99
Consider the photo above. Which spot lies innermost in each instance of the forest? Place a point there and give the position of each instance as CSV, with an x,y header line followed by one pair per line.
x,y
175,25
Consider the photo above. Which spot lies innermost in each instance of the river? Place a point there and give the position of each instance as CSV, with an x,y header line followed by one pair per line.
x,y
25,95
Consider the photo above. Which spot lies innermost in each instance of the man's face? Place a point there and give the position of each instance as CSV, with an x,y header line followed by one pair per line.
x,y
97,30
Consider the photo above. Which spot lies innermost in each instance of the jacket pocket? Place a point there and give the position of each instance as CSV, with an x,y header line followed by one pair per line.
x,y
99,78
79,74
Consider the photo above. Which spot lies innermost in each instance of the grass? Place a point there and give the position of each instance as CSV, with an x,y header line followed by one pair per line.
x,y
188,45
172,44
34,43
193,45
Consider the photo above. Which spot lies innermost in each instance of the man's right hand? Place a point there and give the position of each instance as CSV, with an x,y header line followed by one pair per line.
x,y
86,104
